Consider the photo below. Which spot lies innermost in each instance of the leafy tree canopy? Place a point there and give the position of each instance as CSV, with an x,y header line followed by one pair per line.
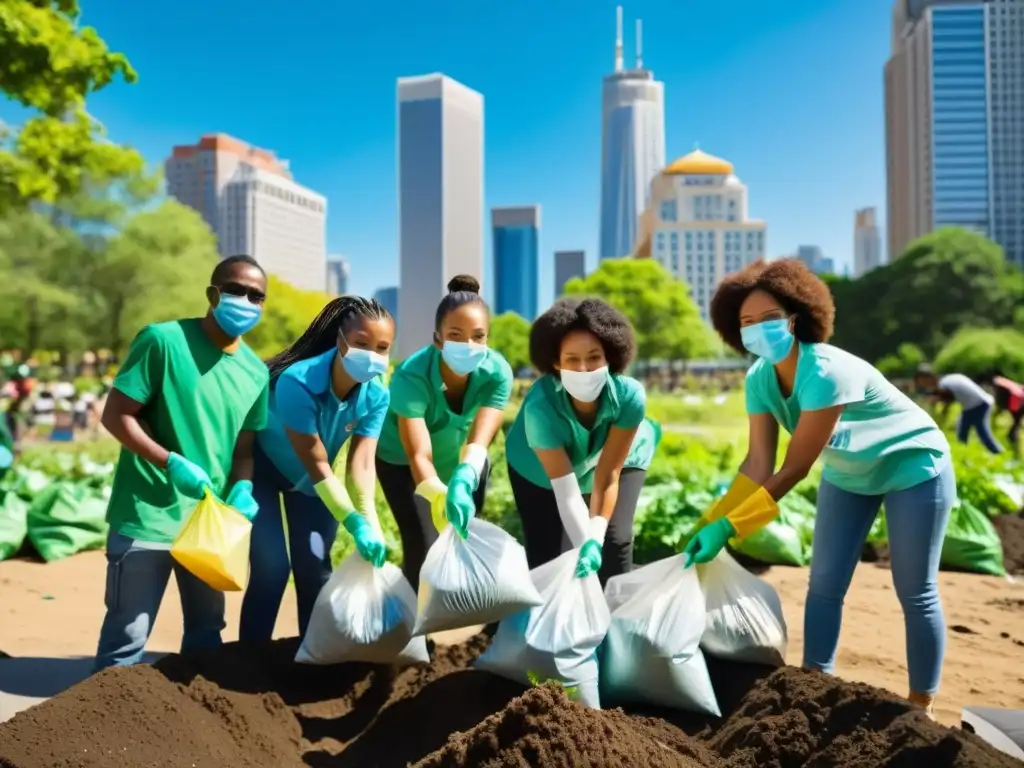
x,y
982,353
510,335
667,322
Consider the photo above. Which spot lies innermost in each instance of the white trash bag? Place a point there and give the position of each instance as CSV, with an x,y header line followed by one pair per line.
x,y
652,652
557,640
477,580
744,614
363,614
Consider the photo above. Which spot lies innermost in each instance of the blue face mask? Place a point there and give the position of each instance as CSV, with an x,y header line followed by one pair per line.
x,y
363,365
771,339
463,356
236,315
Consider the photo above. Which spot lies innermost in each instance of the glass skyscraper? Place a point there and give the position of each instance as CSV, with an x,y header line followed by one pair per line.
x,y
954,92
516,259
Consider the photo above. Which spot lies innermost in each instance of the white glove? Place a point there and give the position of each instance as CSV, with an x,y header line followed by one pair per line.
x,y
571,508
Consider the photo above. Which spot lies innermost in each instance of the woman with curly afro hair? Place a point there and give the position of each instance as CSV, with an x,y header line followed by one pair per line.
x,y
877,446
580,446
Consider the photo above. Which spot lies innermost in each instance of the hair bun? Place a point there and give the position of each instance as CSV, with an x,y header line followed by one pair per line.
x,y
464,283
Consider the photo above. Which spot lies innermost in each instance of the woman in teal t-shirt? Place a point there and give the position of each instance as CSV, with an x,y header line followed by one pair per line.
x,y
580,446
447,404
876,445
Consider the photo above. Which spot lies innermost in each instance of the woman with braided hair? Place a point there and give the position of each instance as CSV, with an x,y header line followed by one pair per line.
x,y
324,390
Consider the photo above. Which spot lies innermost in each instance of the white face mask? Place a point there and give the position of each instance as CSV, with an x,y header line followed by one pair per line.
x,y
585,386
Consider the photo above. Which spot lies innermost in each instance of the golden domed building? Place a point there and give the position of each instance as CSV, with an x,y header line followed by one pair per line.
x,y
696,225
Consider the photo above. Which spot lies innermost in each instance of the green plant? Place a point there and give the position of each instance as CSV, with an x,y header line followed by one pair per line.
x,y
572,691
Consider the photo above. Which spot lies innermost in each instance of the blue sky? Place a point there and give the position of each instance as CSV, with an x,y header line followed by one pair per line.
x,y
790,92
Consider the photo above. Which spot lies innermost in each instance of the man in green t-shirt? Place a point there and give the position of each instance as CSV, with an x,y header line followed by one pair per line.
x,y
186,405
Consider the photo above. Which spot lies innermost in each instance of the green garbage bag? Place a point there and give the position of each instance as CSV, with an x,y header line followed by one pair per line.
x,y
972,542
13,523
879,533
781,542
66,519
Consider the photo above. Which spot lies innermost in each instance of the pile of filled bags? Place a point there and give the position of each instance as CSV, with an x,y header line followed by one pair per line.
x,y
642,639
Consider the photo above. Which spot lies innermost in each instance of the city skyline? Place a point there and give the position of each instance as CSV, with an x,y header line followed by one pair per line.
x,y
808,138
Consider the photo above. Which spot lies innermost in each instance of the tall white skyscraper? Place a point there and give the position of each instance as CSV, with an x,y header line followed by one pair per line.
x,y
337,276
279,223
867,243
440,197
954,99
632,146
696,225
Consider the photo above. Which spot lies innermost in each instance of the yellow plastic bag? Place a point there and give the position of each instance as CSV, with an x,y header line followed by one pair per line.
x,y
214,545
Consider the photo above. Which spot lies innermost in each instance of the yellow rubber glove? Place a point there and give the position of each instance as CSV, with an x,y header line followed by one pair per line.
x,y
435,493
334,496
755,513
742,488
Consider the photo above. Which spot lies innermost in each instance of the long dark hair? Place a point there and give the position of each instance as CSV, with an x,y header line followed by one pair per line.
x,y
462,290
322,333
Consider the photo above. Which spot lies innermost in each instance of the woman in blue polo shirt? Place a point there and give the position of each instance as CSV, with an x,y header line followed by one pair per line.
x,y
324,390
447,404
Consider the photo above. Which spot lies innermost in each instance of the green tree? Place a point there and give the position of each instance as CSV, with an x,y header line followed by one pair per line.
x,y
667,323
947,280
51,64
510,335
287,314
155,269
982,353
903,363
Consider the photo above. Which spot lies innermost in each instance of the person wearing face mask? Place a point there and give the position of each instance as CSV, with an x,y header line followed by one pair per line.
x,y
325,389
186,406
447,404
876,444
580,447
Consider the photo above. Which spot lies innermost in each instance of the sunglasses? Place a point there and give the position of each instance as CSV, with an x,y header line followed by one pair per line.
x,y
236,289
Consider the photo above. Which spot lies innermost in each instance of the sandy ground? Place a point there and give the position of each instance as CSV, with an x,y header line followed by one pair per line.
x,y
55,610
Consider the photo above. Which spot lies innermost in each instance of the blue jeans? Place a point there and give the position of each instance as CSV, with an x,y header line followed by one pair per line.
x,y
311,532
136,582
978,418
916,519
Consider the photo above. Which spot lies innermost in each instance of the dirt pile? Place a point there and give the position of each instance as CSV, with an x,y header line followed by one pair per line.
x,y
545,728
255,707
1011,532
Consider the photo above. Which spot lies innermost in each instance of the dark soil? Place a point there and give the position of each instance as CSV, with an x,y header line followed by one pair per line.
x,y
256,708
1011,531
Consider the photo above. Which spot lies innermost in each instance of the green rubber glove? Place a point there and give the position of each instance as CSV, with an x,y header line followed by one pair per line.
x,y
241,499
189,479
6,457
368,544
459,506
709,541
589,561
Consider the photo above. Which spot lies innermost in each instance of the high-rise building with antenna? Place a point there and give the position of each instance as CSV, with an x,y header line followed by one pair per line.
x,y
632,146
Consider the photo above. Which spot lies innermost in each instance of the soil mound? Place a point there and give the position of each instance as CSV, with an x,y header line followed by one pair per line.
x,y
254,707
544,728
1011,532
797,718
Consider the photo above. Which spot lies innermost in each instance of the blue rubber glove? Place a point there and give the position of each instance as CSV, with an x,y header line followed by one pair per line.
x,y
241,499
589,561
368,543
709,541
189,479
459,506
6,457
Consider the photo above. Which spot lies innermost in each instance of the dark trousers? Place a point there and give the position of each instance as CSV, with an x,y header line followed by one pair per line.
x,y
978,419
545,535
412,514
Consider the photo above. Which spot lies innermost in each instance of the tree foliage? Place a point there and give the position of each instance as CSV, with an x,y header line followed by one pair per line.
x,y
510,335
982,353
286,316
903,363
51,65
947,280
667,322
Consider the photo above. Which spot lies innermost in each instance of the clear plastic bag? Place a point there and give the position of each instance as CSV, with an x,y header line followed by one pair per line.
x,y
744,614
477,580
557,640
652,652
363,614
